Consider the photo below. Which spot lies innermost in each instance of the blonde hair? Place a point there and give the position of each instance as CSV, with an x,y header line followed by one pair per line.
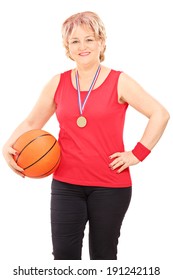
x,y
89,19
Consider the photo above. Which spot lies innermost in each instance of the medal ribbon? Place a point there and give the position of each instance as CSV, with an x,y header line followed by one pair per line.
x,y
81,106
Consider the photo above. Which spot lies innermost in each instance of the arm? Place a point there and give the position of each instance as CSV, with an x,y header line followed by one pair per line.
x,y
37,118
131,92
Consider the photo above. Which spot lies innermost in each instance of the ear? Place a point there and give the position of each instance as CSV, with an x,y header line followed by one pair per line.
x,y
103,46
68,53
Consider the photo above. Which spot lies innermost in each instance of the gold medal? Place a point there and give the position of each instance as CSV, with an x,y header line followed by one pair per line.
x,y
81,121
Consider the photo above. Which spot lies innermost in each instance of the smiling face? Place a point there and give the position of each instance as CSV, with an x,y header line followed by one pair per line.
x,y
84,47
87,30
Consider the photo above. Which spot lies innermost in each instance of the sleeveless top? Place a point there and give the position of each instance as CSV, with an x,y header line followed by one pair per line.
x,y
85,151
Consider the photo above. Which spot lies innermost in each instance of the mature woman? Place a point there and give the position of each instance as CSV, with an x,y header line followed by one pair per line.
x,y
93,181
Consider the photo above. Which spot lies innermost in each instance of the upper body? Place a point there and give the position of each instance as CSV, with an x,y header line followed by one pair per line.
x,y
85,149
84,40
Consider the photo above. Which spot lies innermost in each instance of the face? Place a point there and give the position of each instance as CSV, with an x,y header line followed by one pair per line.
x,y
84,48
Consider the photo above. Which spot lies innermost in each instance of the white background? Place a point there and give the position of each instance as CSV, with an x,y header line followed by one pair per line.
x,y
139,42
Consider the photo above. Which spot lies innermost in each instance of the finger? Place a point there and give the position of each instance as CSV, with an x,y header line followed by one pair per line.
x,y
17,169
122,168
12,151
115,155
14,166
18,172
116,161
116,164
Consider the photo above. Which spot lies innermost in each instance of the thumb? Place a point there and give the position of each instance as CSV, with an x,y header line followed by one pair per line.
x,y
12,151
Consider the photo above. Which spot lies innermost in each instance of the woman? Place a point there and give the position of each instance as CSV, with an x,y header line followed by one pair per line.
x,y
93,181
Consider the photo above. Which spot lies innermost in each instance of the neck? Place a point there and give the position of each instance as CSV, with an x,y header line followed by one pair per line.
x,y
87,71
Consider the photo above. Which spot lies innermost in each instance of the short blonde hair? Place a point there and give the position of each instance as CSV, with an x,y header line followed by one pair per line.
x,y
89,19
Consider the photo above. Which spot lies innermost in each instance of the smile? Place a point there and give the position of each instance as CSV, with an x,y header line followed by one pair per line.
x,y
84,53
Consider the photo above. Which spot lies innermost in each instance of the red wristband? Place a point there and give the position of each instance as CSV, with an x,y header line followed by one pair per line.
x,y
140,151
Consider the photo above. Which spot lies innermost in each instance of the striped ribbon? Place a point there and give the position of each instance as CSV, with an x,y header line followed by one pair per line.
x,y
81,106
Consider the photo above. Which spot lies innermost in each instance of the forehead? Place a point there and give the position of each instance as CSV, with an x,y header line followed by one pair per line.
x,y
81,31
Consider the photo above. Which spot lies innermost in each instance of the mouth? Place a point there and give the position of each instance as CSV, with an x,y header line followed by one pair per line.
x,y
84,53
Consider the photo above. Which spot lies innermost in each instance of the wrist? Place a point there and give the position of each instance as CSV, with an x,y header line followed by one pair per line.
x,y
140,151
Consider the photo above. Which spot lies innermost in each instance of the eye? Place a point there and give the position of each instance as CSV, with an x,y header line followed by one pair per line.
x,y
74,42
90,40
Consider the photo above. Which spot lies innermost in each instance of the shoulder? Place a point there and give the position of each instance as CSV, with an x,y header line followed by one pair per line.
x,y
55,80
127,83
51,86
125,78
109,72
114,73
127,87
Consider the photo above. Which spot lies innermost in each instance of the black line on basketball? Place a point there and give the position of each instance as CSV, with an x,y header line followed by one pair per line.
x,y
41,156
47,134
42,175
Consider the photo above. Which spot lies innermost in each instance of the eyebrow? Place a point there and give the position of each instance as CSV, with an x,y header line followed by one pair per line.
x,y
78,38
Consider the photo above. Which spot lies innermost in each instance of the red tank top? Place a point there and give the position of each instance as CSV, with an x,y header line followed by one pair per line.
x,y
85,151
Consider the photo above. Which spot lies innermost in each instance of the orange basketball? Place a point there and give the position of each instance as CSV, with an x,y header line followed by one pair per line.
x,y
38,153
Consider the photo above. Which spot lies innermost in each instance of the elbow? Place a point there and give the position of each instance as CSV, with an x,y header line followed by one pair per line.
x,y
166,116
160,116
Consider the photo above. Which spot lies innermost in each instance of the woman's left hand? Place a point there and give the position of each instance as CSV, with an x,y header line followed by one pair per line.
x,y
122,160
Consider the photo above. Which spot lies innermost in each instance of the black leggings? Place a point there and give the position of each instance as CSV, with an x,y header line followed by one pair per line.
x,y
73,205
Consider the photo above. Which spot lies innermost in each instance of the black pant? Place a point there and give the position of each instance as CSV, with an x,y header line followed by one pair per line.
x,y
73,205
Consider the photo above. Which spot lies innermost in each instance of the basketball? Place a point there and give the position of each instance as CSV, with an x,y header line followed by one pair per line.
x,y
38,153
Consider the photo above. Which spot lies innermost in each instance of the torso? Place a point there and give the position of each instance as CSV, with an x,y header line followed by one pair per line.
x,y
85,151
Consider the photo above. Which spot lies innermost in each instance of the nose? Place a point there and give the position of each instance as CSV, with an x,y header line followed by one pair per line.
x,y
82,45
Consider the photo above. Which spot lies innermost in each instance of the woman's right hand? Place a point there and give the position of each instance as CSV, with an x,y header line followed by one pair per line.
x,y
8,153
